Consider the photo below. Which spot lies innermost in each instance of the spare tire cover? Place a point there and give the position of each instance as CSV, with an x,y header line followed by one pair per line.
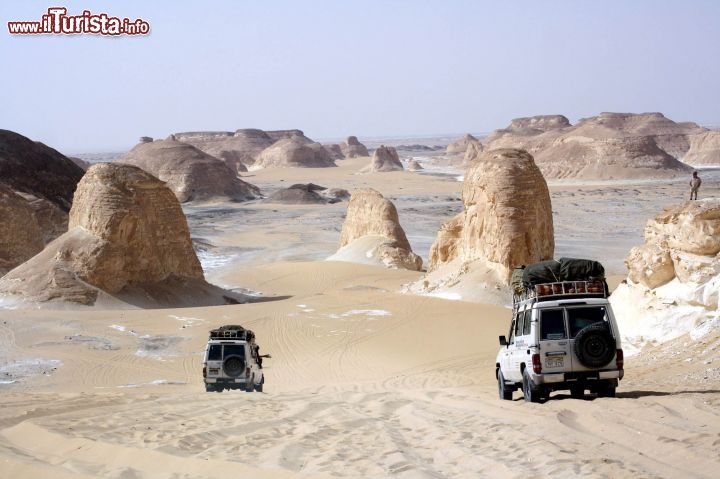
x,y
594,345
234,366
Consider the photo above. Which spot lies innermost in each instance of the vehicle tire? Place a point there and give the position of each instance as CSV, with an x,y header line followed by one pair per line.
x,y
210,388
531,393
594,345
577,393
234,366
503,391
606,392
250,386
259,387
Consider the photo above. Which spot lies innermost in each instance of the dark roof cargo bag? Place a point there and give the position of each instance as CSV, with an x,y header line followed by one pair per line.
x,y
232,331
542,272
572,269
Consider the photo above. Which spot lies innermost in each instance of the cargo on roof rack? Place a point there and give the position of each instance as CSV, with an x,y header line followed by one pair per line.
x,y
563,289
232,331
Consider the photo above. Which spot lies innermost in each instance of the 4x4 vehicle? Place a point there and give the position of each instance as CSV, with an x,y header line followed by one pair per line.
x,y
563,336
232,360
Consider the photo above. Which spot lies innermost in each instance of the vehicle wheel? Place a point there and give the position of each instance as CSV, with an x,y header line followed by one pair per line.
x,y
259,387
608,392
577,393
503,391
530,392
594,345
210,388
250,386
233,366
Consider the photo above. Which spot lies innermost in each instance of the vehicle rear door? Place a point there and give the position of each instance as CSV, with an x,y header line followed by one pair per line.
x,y
555,348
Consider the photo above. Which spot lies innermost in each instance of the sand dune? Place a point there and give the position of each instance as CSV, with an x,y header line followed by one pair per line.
x,y
364,381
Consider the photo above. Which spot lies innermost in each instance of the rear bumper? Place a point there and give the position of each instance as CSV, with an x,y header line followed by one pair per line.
x,y
585,378
226,380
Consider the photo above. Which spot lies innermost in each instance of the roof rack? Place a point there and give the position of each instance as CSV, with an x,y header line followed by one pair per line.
x,y
594,288
232,332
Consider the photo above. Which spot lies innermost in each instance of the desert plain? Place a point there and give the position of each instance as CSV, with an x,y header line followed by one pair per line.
x,y
365,380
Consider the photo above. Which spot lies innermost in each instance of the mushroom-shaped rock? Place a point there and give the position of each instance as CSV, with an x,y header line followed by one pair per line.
x,y
189,172
384,159
352,148
127,233
372,233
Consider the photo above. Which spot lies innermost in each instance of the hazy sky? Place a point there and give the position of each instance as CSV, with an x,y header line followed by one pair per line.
x,y
365,68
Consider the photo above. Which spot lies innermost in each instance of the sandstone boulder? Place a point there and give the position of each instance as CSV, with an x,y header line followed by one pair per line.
x,y
371,232
20,236
674,277
34,168
460,146
704,149
190,173
385,159
127,239
352,148
295,152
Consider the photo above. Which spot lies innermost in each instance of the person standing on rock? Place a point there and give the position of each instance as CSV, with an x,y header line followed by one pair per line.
x,y
695,183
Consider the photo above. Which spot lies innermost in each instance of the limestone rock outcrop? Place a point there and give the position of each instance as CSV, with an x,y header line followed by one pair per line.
x,y
34,168
507,219
372,233
20,235
460,146
299,194
334,151
295,152
352,148
127,237
607,146
385,158
674,277
189,172
704,149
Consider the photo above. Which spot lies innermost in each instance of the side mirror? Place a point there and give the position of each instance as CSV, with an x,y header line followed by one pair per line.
x,y
503,341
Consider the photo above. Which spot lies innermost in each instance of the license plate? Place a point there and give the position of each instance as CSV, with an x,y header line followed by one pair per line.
x,y
555,362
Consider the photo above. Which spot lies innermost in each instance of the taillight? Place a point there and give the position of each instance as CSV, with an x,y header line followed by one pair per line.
x,y
537,365
204,371
619,358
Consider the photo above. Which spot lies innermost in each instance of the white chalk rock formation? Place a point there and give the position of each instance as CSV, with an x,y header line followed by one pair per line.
x,y
385,159
372,233
191,174
507,222
295,152
460,146
127,238
704,149
352,148
674,278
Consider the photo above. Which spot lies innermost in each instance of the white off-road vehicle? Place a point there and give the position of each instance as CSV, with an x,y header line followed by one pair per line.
x,y
232,360
563,336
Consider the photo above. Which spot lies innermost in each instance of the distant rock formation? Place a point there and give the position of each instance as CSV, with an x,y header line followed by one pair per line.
x,y
80,162
127,239
299,194
460,146
608,146
34,168
20,236
295,152
190,173
704,149
674,277
352,148
334,151
414,165
372,233
384,159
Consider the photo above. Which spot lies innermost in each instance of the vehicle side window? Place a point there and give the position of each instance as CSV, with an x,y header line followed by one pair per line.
x,y
511,333
579,318
215,352
552,324
526,325
235,350
519,323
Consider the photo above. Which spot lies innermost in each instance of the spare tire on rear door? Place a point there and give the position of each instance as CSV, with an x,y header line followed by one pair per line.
x,y
234,366
594,345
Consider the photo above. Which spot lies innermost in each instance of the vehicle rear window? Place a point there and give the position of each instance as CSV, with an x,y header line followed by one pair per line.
x,y
552,324
235,350
215,352
578,318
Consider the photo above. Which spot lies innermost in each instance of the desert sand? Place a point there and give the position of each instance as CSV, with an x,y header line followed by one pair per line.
x,y
364,381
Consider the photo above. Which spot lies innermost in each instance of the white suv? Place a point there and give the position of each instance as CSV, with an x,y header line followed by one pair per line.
x,y
563,336
232,360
